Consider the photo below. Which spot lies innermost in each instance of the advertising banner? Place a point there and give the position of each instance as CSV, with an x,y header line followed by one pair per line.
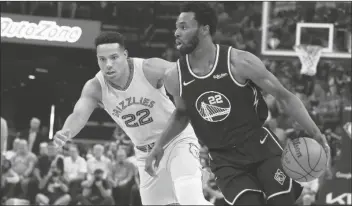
x,y
337,191
49,31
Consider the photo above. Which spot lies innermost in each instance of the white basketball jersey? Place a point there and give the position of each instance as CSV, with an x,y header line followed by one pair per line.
x,y
141,110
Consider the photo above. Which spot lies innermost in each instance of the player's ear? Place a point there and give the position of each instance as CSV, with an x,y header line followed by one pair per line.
x,y
125,53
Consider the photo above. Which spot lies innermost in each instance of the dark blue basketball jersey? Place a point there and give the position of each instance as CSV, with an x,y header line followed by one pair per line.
x,y
222,111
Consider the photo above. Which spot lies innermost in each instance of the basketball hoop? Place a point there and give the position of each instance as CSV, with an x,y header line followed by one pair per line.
x,y
309,56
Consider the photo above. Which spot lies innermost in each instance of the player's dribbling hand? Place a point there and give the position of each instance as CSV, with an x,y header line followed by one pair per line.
x,y
61,137
154,157
324,143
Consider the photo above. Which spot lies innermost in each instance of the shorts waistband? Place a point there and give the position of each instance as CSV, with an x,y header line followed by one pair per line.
x,y
146,148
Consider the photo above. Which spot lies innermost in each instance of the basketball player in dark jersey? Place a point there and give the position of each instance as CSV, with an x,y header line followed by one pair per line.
x,y
217,89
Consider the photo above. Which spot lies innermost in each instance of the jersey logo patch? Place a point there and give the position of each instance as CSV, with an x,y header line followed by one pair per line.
x,y
220,76
213,106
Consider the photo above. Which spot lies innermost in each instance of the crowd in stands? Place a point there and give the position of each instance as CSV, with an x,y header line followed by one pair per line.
x,y
34,171
105,174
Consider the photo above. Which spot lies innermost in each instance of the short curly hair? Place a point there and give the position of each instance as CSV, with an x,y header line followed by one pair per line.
x,y
110,37
204,14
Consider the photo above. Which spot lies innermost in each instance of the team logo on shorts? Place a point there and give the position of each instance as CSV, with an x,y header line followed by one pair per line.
x,y
213,106
280,177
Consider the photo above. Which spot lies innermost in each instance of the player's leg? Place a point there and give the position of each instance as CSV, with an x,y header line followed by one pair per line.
x,y
279,188
185,170
239,188
250,198
156,190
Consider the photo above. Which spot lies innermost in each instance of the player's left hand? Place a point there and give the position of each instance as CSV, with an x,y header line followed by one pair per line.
x,y
321,139
155,156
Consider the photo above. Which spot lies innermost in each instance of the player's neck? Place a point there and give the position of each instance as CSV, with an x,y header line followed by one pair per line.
x,y
204,50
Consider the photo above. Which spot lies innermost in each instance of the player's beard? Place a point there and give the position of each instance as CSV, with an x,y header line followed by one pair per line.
x,y
191,46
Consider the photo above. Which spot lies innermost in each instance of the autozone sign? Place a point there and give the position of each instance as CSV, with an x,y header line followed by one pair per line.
x,y
48,31
45,30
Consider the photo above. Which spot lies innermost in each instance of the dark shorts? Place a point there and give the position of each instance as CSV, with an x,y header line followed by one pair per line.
x,y
254,165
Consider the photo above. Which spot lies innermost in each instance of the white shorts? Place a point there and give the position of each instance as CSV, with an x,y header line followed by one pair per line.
x,y
159,190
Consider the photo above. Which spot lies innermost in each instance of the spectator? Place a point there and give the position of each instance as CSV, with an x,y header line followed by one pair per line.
x,y
44,131
330,108
97,191
54,187
135,197
119,134
75,170
4,135
45,160
33,136
43,149
23,164
11,153
122,177
9,180
98,161
66,148
111,151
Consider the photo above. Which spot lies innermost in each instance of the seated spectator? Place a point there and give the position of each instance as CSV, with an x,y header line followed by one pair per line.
x,y
122,177
54,188
9,180
23,164
135,197
98,161
111,151
33,136
97,191
75,170
16,201
330,108
45,160
43,149
11,153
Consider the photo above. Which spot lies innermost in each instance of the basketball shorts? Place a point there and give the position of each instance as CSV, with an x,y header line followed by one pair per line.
x,y
253,165
160,190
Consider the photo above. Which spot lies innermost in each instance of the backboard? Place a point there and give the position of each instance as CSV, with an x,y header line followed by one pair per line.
x,y
287,24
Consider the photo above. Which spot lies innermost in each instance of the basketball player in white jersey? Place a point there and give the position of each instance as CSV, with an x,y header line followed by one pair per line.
x,y
131,91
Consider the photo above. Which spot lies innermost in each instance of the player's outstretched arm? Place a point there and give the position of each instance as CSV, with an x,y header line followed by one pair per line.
x,y
83,109
251,67
176,124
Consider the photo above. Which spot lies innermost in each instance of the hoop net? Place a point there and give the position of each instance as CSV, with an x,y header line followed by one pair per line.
x,y
309,56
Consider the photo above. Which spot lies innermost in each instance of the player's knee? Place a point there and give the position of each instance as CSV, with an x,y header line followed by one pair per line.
x,y
189,191
250,198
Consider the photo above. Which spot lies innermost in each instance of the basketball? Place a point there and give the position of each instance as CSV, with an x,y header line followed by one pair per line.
x,y
304,159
